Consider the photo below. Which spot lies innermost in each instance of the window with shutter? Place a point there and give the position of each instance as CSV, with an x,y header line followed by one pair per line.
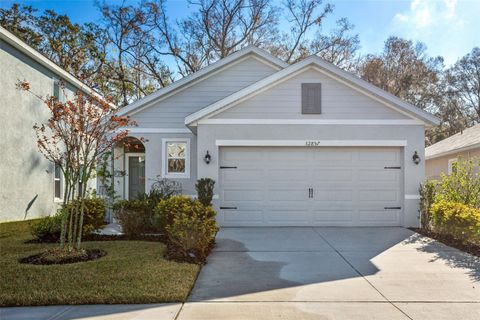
x,y
311,98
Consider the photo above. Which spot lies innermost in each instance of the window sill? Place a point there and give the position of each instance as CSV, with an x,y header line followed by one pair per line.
x,y
177,176
57,200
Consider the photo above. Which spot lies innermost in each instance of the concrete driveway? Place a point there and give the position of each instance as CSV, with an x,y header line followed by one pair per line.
x,y
334,273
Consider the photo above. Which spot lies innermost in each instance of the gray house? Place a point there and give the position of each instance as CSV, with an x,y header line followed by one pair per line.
x,y
288,145
30,186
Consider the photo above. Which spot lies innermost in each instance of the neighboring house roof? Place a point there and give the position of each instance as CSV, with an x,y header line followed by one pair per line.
x,y
332,71
191,78
466,140
18,44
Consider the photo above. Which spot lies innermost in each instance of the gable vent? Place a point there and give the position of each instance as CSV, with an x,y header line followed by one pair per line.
x,y
311,98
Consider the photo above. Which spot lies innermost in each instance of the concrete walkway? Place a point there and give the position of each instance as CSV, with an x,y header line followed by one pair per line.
x,y
312,273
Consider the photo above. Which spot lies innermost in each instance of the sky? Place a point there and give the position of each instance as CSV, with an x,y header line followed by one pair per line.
x,y
449,28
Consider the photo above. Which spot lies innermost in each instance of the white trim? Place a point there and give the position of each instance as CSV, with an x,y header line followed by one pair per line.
x,y
385,97
312,143
412,197
62,185
165,174
191,79
194,196
387,122
446,153
127,156
157,130
18,44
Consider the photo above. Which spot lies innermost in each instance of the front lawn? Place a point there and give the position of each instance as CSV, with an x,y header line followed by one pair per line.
x,y
131,272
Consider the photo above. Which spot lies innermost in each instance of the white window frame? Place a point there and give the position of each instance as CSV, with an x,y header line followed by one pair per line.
x,y
165,173
61,97
61,179
450,165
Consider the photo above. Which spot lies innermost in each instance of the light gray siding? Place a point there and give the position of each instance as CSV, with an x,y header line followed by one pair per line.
x,y
26,176
171,112
283,101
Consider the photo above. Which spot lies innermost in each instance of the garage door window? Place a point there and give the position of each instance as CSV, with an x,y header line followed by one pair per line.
x,y
176,155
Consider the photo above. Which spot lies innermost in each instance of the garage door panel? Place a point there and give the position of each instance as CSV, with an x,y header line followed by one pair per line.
x,y
249,175
287,215
332,195
287,194
285,175
378,195
243,195
328,217
349,186
375,175
332,174
379,216
243,216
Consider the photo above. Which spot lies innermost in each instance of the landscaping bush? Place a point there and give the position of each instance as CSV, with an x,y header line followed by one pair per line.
x,y
135,217
427,198
93,215
462,186
190,228
204,189
456,219
48,228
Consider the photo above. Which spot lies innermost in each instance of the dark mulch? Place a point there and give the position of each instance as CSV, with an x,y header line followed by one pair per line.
x,y
471,248
174,254
51,257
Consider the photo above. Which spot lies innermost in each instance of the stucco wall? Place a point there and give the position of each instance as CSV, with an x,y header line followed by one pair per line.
x,y
413,134
26,177
154,162
434,167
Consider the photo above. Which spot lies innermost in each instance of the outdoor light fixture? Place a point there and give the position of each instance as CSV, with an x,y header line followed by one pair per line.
x,y
207,158
416,158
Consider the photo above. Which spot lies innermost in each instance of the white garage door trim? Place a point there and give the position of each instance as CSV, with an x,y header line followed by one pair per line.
x,y
312,143
392,188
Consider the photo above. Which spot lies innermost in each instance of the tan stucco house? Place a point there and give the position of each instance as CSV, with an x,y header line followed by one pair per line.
x,y
441,155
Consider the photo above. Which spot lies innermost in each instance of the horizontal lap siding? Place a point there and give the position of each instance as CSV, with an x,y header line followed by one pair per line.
x,y
283,101
171,112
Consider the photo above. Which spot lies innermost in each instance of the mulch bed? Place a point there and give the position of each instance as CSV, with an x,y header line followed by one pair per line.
x,y
103,237
473,249
49,258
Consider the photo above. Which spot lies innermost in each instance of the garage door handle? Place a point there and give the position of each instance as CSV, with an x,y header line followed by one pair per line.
x,y
392,208
224,167
392,167
228,208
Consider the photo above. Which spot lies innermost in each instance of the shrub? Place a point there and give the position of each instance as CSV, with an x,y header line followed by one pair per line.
x,y
427,197
48,228
190,227
135,217
457,219
462,186
204,189
93,215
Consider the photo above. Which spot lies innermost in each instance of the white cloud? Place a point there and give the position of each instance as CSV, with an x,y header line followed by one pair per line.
x,y
424,14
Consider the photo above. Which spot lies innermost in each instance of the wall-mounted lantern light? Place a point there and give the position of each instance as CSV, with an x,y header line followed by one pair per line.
x,y
416,158
207,158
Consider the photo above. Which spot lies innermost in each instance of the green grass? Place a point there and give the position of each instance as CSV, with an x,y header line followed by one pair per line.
x,y
131,272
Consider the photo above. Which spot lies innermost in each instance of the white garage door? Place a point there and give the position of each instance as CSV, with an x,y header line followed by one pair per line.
x,y
296,186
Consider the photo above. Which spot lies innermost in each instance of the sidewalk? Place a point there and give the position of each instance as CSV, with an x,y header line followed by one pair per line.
x,y
164,311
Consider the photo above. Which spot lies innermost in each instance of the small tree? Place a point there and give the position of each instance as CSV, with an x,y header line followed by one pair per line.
x,y
74,138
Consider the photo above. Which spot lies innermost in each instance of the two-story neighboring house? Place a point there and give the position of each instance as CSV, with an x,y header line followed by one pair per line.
x,y
30,186
306,144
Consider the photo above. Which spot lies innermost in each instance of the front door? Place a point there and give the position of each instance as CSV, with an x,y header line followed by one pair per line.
x,y
136,175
